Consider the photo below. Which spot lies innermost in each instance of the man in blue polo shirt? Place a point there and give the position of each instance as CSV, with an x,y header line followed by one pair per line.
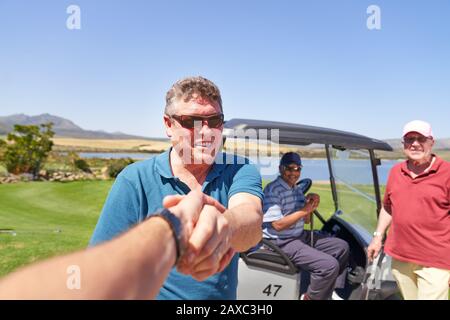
x,y
286,210
194,122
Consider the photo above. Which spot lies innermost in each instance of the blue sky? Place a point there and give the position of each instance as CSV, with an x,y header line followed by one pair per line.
x,y
311,62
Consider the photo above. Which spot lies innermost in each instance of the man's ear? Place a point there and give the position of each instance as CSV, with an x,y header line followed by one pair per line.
x,y
169,126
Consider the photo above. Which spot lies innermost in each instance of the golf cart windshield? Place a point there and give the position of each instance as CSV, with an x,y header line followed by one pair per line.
x,y
356,200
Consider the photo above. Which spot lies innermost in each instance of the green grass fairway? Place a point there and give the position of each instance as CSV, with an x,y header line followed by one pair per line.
x,y
48,218
51,218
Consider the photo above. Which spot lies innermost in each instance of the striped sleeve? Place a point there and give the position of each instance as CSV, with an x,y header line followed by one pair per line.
x,y
272,205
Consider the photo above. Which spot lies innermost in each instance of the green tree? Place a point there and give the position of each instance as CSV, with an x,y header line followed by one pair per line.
x,y
2,149
28,148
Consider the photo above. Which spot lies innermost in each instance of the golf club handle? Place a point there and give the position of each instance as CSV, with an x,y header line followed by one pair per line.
x,y
312,228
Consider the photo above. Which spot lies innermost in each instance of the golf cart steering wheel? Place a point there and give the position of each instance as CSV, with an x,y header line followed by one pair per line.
x,y
305,185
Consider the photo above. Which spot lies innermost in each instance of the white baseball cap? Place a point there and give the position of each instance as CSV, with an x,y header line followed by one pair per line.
x,y
419,126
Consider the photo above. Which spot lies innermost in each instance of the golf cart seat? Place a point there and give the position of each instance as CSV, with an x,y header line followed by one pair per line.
x,y
269,256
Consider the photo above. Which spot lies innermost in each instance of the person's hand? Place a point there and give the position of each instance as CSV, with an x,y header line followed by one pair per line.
x,y
374,248
210,245
187,208
314,199
312,203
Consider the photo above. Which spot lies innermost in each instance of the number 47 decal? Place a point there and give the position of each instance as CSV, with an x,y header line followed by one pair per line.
x,y
268,290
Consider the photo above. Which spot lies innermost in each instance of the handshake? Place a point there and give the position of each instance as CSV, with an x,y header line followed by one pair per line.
x,y
206,234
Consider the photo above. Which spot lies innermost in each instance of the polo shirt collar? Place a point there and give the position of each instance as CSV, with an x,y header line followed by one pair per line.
x,y
284,184
164,169
162,164
434,168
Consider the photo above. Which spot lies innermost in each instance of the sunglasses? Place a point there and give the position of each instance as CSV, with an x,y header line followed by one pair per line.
x,y
410,140
188,122
290,169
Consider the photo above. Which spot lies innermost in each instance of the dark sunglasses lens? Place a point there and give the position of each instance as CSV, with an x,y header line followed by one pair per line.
x,y
422,139
187,122
297,169
412,139
215,122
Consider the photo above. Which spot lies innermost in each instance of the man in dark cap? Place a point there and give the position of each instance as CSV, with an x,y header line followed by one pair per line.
x,y
286,210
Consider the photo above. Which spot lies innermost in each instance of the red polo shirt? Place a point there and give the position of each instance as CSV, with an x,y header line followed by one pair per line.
x,y
420,210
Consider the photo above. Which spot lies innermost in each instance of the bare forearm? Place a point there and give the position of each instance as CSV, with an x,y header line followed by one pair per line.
x,y
133,266
289,220
245,221
384,221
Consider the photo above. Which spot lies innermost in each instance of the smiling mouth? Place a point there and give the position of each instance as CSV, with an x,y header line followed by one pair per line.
x,y
203,144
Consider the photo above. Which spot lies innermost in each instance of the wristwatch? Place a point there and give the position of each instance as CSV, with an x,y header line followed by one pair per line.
x,y
176,226
377,234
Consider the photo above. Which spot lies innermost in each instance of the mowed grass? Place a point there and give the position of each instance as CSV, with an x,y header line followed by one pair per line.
x,y
51,218
47,218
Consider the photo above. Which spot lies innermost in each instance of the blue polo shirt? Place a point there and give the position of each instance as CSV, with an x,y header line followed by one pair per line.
x,y
281,200
138,192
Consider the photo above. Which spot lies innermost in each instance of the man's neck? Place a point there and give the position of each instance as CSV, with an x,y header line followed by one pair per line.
x,y
188,173
419,167
289,184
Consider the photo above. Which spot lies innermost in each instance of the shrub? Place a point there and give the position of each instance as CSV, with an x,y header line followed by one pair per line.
x,y
82,165
116,166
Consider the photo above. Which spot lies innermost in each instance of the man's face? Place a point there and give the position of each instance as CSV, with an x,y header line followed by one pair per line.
x,y
200,144
290,173
417,147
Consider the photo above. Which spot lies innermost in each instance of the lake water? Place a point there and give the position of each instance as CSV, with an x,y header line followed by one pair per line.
x,y
118,155
315,169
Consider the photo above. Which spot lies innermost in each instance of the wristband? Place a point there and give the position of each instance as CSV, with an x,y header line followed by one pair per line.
x,y
377,234
175,225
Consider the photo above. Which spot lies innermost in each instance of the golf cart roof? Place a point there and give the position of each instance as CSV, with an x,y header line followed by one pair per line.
x,y
298,134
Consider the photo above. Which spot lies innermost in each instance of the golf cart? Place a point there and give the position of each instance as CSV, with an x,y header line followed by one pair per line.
x,y
265,272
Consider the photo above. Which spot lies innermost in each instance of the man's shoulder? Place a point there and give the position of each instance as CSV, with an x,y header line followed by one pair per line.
x,y
274,187
139,170
396,168
444,170
444,163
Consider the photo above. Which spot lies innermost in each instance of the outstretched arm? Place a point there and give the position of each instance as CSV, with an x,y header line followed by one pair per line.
x,y
132,266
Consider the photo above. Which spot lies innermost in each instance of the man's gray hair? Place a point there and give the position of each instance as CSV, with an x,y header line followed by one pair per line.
x,y
186,88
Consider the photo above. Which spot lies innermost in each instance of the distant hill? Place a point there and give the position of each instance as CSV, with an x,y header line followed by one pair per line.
x,y
62,127
441,144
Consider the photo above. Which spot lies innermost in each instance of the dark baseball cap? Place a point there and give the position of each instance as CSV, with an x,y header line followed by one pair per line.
x,y
290,157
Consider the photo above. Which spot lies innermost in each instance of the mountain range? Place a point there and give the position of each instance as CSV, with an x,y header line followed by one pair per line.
x,y
66,128
62,127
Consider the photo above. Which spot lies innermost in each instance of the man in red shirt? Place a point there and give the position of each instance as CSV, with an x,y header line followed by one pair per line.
x,y
417,208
